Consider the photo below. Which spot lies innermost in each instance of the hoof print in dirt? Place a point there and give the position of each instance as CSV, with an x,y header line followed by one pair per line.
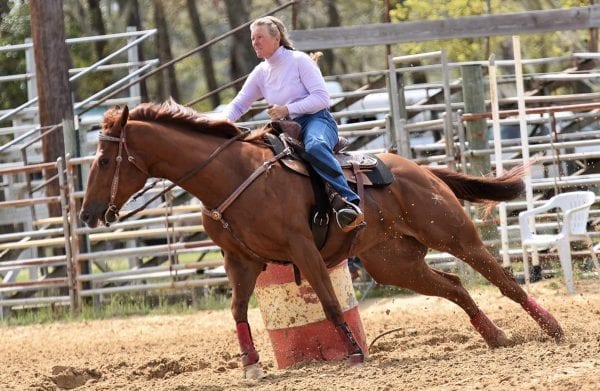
x,y
68,378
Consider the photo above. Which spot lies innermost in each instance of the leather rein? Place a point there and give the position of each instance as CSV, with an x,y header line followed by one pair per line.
x,y
216,213
112,207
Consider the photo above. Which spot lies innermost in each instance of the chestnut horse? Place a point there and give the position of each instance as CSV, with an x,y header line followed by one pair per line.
x,y
257,212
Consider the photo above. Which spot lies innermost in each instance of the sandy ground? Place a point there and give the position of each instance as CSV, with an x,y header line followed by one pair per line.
x,y
435,348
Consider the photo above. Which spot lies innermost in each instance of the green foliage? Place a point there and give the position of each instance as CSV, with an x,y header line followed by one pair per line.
x,y
533,45
574,3
14,28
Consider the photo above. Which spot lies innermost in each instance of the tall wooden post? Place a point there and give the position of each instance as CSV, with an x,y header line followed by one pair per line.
x,y
476,135
52,80
474,98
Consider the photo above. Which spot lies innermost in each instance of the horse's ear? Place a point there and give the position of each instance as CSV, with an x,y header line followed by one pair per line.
x,y
124,116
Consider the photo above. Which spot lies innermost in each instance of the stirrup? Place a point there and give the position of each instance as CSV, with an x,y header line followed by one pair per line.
x,y
349,216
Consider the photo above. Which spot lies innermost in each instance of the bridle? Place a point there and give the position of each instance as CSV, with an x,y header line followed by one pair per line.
x,y
112,206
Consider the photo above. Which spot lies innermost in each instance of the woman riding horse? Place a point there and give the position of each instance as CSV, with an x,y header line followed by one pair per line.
x,y
292,84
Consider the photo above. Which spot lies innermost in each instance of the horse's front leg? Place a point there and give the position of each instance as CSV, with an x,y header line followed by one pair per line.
x,y
242,277
311,264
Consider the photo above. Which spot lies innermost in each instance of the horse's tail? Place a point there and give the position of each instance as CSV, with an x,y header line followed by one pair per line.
x,y
483,189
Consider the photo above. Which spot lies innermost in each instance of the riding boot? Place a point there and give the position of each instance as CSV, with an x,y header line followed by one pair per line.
x,y
347,214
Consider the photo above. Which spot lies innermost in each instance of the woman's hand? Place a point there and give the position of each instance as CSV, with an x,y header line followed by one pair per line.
x,y
277,112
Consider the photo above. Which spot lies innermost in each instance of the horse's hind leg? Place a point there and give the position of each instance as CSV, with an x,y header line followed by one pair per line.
x,y
478,256
456,234
493,335
409,270
242,277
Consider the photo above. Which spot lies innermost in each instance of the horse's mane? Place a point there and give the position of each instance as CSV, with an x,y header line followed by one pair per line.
x,y
170,112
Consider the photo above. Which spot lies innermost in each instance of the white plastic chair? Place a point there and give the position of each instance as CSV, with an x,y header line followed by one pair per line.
x,y
575,207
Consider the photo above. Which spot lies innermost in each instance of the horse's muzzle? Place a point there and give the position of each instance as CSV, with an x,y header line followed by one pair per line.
x,y
89,220
92,213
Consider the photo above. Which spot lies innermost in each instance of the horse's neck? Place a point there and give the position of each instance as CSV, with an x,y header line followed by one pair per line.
x,y
182,153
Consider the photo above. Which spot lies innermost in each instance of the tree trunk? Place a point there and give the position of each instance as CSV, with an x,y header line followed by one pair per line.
x,y
52,78
4,8
134,20
334,20
98,27
167,83
243,58
209,70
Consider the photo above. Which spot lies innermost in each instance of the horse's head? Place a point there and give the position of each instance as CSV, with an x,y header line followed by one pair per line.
x,y
113,177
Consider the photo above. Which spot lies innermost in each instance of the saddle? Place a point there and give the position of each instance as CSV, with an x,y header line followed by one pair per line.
x,y
360,170
365,169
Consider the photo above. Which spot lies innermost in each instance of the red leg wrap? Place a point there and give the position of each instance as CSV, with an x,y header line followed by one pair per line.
x,y
543,318
492,335
249,353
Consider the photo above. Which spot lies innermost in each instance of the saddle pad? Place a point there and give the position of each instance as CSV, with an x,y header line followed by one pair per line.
x,y
374,171
364,161
380,175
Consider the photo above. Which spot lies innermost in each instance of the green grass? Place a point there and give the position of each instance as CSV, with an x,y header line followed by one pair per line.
x,y
41,315
125,305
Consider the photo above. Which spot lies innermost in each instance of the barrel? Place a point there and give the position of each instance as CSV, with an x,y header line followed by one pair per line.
x,y
294,317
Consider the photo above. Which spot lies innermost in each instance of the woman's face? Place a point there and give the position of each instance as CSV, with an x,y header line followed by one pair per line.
x,y
264,44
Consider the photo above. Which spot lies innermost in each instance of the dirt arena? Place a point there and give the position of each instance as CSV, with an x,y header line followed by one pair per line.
x,y
435,348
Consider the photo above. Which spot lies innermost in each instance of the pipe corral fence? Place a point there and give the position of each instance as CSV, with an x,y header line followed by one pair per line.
x,y
55,261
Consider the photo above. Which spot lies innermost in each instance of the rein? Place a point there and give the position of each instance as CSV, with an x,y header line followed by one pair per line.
x,y
217,213
123,146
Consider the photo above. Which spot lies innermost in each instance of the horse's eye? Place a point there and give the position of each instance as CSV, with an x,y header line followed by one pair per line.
x,y
103,162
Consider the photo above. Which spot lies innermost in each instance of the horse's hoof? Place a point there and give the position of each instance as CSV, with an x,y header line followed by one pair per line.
x,y
493,336
356,359
501,341
253,372
553,329
558,334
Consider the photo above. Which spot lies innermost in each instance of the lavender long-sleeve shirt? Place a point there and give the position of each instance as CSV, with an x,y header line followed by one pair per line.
x,y
288,77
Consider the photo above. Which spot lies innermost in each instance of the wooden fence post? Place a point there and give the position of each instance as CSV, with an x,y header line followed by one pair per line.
x,y
476,135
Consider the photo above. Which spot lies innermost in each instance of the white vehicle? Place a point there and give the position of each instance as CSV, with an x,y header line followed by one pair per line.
x,y
376,106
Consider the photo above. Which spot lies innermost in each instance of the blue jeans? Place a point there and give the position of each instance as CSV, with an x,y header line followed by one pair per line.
x,y
320,135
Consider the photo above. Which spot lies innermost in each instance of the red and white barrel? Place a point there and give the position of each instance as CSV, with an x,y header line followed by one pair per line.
x,y
294,317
